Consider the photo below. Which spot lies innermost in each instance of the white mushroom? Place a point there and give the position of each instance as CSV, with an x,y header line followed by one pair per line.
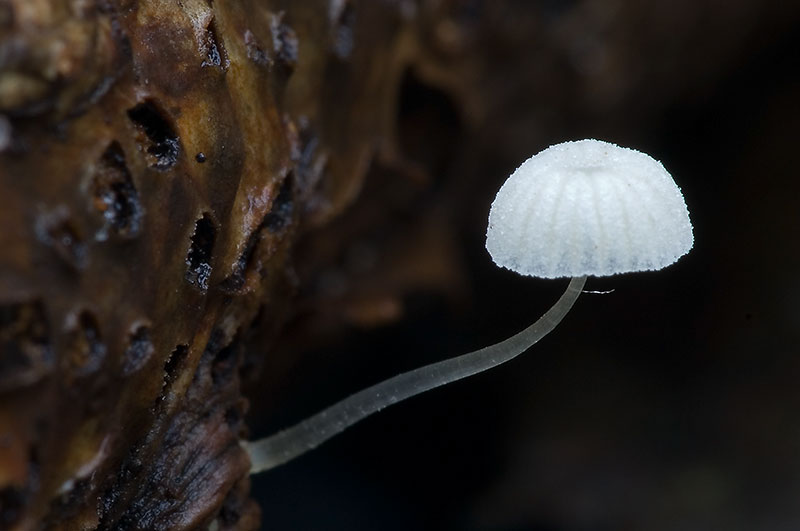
x,y
588,208
573,210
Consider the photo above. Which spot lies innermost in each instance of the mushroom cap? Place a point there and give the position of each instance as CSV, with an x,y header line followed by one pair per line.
x,y
588,208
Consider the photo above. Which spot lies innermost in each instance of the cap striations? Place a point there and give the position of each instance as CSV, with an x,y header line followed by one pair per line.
x,y
588,208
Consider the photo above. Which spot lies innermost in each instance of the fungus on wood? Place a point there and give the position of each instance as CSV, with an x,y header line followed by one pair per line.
x,y
123,123
573,210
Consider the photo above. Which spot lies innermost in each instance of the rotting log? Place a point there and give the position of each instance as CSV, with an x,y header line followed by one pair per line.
x,y
159,158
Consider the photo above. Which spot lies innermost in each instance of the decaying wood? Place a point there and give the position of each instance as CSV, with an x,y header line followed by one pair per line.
x,y
159,158
156,158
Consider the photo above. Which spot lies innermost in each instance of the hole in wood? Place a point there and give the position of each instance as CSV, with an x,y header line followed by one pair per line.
x,y
198,260
158,139
114,195
139,350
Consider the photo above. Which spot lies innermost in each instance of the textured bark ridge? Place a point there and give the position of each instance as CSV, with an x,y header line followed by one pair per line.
x,y
158,158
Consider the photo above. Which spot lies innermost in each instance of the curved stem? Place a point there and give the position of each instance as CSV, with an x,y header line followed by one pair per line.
x,y
286,445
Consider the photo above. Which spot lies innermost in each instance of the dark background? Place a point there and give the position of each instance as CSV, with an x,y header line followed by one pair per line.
x,y
672,403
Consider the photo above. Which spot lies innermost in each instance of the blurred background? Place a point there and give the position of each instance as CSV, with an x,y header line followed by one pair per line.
x,y
671,403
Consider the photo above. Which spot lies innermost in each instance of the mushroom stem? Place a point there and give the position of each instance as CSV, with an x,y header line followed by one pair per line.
x,y
285,445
